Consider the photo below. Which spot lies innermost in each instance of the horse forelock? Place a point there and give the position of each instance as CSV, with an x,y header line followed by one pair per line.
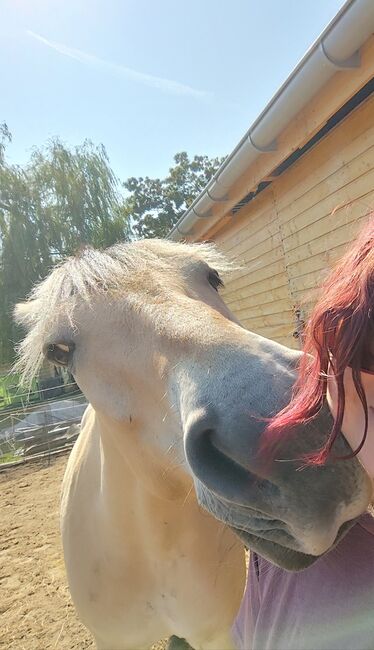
x,y
80,279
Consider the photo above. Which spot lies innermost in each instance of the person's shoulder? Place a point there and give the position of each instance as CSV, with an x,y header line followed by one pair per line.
x,y
367,521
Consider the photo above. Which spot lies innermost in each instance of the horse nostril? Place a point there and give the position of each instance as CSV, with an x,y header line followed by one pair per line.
x,y
198,445
226,474
200,428
208,463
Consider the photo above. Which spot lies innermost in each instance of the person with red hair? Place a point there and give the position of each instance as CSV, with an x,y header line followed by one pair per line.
x,y
330,605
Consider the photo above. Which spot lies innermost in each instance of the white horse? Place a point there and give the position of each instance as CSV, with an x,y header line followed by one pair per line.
x,y
143,560
179,396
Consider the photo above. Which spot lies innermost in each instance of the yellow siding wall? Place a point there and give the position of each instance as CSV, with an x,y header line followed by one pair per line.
x,y
290,235
258,294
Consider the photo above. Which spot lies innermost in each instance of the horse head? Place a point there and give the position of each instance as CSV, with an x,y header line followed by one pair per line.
x,y
184,393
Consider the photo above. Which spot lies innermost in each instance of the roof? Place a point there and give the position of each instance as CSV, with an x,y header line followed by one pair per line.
x,y
337,48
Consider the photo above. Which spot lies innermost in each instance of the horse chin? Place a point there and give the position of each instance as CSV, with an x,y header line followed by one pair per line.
x,y
281,556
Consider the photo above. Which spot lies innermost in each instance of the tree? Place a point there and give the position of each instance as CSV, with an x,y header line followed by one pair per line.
x,y
154,205
5,136
63,199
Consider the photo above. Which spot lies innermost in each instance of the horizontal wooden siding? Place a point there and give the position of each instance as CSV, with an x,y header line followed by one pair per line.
x,y
292,233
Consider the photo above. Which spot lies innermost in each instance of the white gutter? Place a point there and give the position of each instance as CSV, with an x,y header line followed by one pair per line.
x,y
336,48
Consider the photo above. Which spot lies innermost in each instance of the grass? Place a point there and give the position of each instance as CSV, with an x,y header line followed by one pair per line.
x,y
8,457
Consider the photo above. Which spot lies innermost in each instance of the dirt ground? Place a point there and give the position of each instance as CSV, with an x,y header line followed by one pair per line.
x,y
36,612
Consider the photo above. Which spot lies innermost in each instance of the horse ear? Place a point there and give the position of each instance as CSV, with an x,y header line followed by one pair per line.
x,y
24,313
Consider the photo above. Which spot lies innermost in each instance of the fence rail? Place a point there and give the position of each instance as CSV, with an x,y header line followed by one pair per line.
x,y
36,457
45,436
13,398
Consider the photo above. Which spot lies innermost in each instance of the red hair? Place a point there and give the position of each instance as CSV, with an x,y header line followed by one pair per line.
x,y
338,334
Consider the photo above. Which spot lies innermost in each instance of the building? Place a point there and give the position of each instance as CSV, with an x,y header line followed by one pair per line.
x,y
295,190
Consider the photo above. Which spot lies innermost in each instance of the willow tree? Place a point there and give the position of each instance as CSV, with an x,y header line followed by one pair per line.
x,y
61,200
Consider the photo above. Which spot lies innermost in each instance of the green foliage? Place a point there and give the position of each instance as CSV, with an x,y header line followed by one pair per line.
x,y
8,457
155,205
63,199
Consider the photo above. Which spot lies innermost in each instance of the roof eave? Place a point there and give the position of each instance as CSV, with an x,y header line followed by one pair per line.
x,y
335,49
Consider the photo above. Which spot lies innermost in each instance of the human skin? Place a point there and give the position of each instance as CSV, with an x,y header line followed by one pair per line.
x,y
353,424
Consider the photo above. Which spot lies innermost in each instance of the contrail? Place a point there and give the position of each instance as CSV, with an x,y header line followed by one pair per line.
x,y
165,85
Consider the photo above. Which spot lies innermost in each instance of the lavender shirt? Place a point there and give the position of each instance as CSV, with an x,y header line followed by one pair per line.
x,y
329,606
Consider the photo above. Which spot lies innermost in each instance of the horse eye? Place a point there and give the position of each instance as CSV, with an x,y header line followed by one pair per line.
x,y
214,280
60,353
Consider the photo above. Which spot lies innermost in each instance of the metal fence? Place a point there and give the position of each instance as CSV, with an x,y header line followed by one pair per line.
x,y
12,396
40,430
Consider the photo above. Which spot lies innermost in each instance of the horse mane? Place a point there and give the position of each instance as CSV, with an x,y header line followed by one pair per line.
x,y
337,335
81,278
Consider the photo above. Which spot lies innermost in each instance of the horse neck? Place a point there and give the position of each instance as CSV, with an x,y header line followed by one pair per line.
x,y
129,466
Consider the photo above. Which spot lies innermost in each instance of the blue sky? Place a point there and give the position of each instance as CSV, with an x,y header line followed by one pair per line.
x,y
147,78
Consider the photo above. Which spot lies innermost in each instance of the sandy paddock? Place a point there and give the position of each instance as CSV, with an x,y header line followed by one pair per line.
x,y
36,612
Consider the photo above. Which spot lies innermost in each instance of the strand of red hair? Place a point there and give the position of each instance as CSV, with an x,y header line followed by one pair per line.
x,y
338,334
